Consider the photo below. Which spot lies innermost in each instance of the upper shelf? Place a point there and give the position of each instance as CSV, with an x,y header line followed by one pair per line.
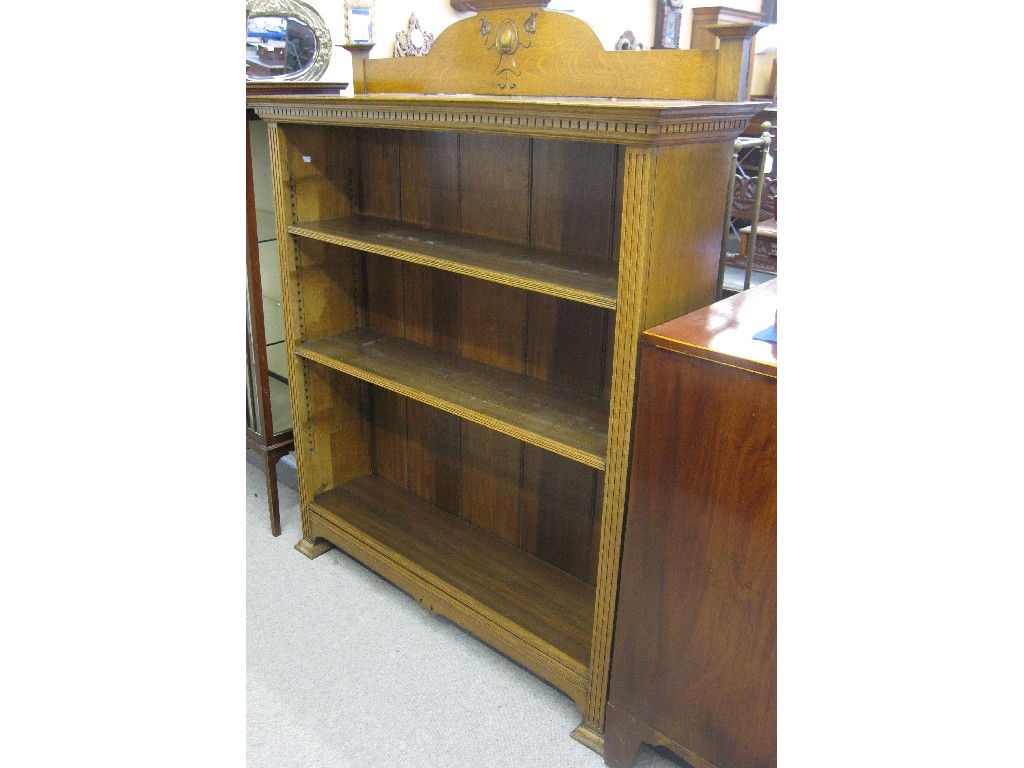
x,y
519,266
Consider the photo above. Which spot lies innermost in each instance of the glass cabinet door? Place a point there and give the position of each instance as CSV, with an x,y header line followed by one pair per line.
x,y
270,278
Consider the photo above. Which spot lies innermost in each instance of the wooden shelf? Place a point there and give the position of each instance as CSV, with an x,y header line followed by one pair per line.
x,y
525,408
527,608
533,269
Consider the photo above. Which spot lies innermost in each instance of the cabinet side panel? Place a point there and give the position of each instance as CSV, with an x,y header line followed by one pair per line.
x,y
320,167
686,237
321,282
326,283
320,286
338,445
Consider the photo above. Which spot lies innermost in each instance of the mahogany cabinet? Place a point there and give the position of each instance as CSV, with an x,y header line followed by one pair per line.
x,y
693,662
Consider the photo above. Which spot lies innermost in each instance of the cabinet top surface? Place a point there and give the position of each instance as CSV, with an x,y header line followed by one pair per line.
x,y
473,99
724,331
636,121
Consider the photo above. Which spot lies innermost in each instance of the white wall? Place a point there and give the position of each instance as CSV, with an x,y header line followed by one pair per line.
x,y
608,18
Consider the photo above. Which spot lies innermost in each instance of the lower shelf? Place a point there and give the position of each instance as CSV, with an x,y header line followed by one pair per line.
x,y
529,610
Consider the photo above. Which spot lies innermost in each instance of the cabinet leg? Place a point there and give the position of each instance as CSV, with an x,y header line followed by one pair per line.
x,y
621,740
270,470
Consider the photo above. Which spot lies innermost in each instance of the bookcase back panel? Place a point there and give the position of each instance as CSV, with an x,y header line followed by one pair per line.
x,y
434,452
490,480
546,338
558,195
557,520
378,161
494,182
493,327
524,495
574,187
432,307
390,422
429,172
540,502
564,344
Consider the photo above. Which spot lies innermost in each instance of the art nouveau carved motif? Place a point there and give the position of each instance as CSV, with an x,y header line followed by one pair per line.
x,y
506,41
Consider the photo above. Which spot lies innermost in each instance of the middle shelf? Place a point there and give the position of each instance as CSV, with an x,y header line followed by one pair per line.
x,y
536,412
520,266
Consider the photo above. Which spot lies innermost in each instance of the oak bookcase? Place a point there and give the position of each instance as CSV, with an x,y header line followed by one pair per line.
x,y
466,278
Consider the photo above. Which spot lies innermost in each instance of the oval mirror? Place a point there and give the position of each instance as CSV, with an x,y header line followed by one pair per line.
x,y
285,40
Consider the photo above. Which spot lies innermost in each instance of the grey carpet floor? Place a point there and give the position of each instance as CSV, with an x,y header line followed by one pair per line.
x,y
344,669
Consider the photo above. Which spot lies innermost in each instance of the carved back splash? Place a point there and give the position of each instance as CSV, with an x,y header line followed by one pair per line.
x,y
528,51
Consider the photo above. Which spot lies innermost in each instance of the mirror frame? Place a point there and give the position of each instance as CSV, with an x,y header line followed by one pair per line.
x,y
308,16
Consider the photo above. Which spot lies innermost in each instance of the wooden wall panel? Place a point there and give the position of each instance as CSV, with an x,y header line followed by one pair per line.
x,y
565,343
490,481
435,456
574,189
494,174
430,179
432,314
555,511
429,168
378,159
493,328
